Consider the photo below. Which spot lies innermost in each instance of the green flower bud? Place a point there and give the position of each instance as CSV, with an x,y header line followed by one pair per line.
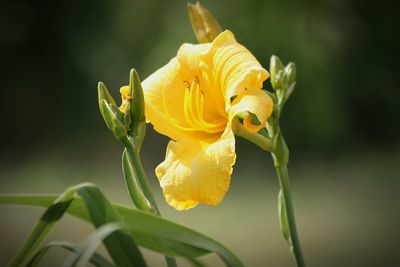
x,y
137,104
280,80
204,25
114,119
112,116
276,69
290,71
104,94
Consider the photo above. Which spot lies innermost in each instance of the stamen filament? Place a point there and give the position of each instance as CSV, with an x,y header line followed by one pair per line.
x,y
193,111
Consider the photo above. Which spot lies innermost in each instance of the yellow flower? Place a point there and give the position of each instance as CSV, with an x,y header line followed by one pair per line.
x,y
194,100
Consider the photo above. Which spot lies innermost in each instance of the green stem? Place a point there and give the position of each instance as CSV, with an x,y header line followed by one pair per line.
x,y
143,196
141,177
283,175
134,188
260,140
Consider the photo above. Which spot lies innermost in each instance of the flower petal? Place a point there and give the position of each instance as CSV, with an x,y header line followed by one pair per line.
x,y
235,68
174,112
164,93
199,172
257,102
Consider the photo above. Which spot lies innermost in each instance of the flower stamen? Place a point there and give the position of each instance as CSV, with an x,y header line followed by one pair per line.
x,y
194,110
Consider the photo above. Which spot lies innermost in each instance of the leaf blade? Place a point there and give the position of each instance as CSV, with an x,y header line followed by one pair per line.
x,y
95,207
146,234
84,252
97,259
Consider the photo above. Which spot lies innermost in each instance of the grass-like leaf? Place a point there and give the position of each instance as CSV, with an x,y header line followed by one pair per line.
x,y
149,231
97,209
121,246
96,259
84,252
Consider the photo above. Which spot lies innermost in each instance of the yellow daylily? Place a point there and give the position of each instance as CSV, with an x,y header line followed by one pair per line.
x,y
194,100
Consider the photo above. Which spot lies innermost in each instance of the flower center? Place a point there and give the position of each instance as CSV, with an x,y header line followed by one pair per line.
x,y
193,110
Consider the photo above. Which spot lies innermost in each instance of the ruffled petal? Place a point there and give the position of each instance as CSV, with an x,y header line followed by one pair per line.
x,y
179,98
234,67
222,69
197,172
256,102
164,93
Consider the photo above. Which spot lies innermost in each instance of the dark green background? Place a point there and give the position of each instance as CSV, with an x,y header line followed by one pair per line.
x,y
341,123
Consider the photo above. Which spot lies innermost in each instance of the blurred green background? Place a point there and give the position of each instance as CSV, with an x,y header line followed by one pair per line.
x,y
341,123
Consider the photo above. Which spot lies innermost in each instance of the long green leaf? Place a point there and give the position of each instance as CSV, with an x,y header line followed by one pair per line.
x,y
46,223
98,211
84,252
96,259
149,231
120,245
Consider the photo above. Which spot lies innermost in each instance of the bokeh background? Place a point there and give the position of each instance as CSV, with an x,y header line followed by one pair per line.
x,y
341,123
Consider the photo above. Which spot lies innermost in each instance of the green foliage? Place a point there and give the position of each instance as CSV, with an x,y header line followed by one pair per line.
x,y
96,259
87,203
120,245
84,253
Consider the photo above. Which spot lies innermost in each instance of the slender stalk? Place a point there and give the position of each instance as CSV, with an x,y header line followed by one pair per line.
x,y
146,200
283,175
134,188
260,140
141,177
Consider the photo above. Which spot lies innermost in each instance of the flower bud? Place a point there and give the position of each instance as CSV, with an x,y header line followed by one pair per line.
x,y
290,71
204,25
276,70
137,104
104,94
112,116
114,119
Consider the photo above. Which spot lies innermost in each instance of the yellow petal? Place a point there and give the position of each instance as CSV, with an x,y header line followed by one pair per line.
x,y
257,102
164,93
124,91
227,67
167,99
235,68
197,172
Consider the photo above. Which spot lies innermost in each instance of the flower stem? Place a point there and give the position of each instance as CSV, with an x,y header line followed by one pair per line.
x,y
139,187
294,242
258,139
141,177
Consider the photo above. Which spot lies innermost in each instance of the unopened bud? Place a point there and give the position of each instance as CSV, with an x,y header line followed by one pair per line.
x,y
290,71
136,91
204,25
276,70
112,116
114,119
104,94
